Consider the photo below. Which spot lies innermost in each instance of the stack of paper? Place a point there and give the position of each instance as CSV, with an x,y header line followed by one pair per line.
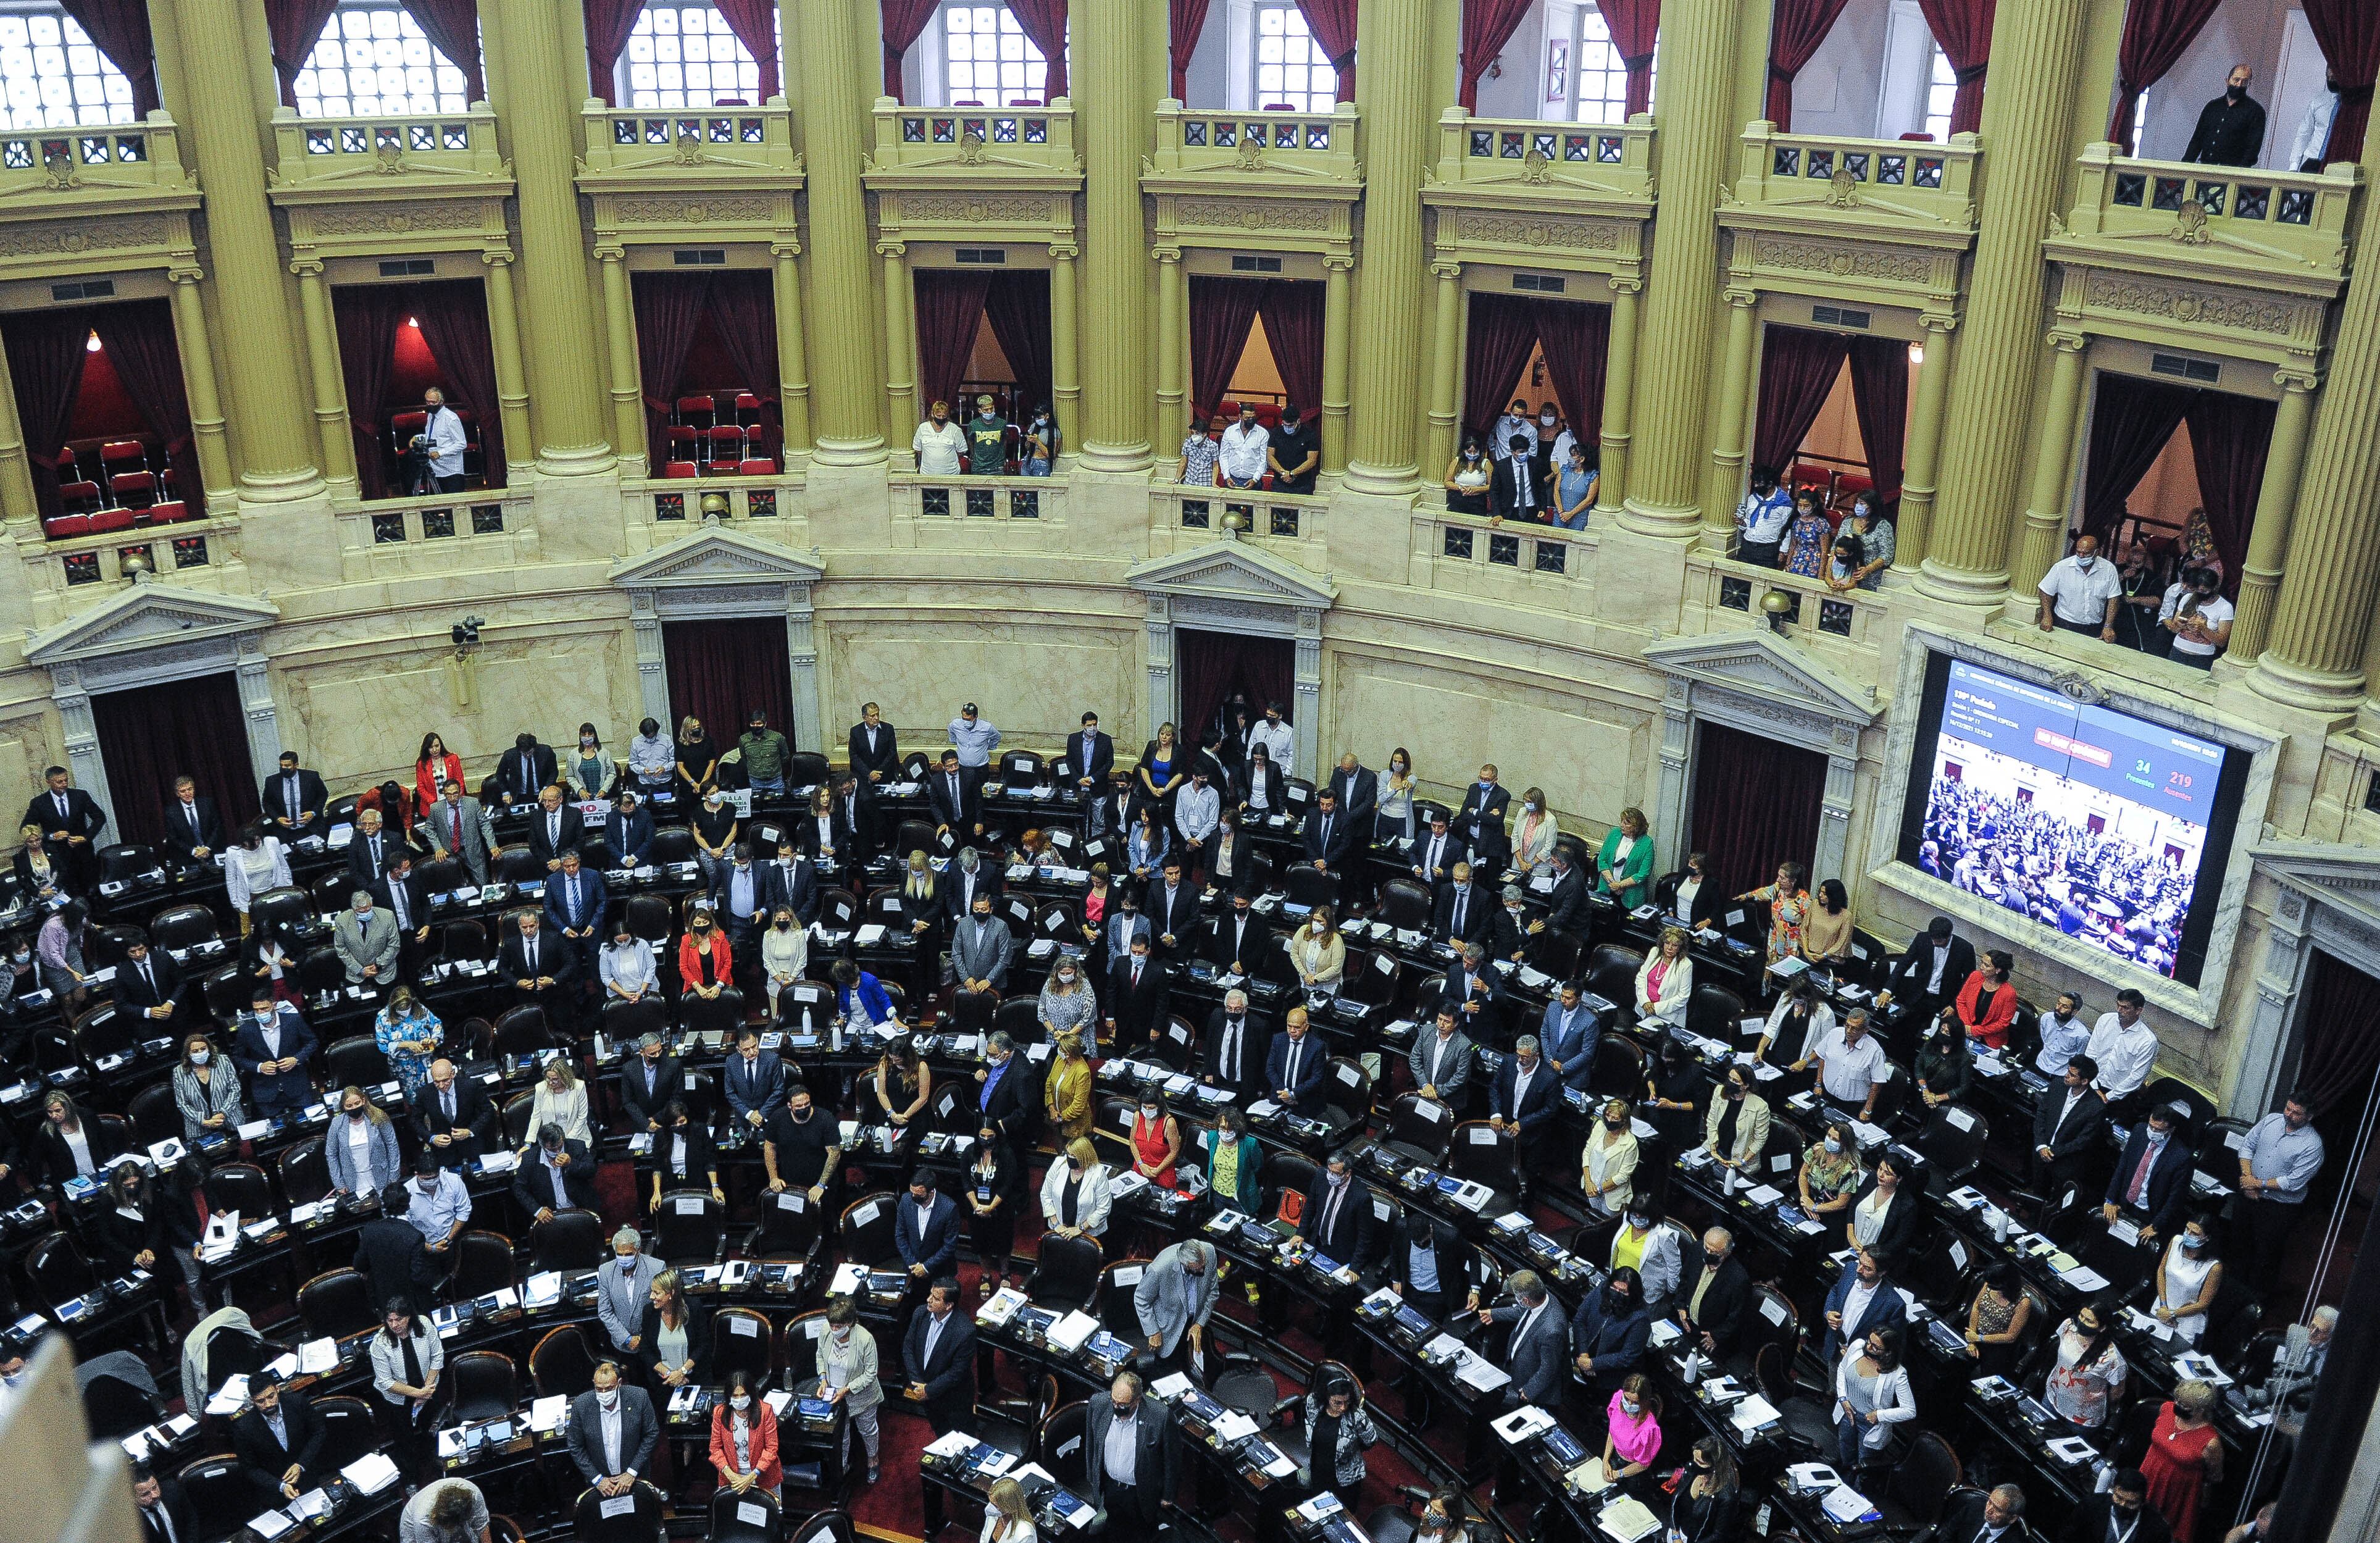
x,y
1170,1387
547,1413
957,1443
1845,1505
1070,1333
1233,1426
1480,1375
231,1397
370,1474
1627,1520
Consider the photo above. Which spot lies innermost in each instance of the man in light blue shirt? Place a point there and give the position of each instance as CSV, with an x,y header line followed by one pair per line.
x,y
2064,1035
974,739
436,1202
2278,1159
442,438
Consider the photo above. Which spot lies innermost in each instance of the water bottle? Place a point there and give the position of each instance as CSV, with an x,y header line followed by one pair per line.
x,y
2000,1225
1733,1176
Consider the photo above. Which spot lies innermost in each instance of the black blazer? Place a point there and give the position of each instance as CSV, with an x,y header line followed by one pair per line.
x,y
698,1338
54,1158
1276,794
1899,1229
1707,899
949,1375
2068,1135
545,849
957,900
1724,1303
1255,1045
362,870
1015,1104
1910,972
535,1192
1179,918
1100,764
960,813
265,1459
1479,916
394,1262
177,1506
1459,1267
1333,853
473,1108
642,1102
796,892
2168,1188
59,879
1456,850
1505,938
1963,1522
805,833
82,816
1137,1012
1359,796
1349,1240
203,827
2088,1523
1566,907
115,1238
164,983
416,900
702,1155
556,957
1229,940
311,796
508,776
1480,821
887,756
1504,484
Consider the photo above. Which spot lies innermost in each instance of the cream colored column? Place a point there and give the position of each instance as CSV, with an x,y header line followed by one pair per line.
x,y
541,114
2276,497
1173,395
1399,116
2040,540
273,451
16,501
1666,473
199,384
1065,341
1724,487
1445,366
627,385
1618,395
901,338
512,377
1338,345
1113,130
330,383
839,69
2027,111
1921,455
793,362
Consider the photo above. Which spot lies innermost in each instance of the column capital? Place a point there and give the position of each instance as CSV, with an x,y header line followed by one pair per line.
x,y
891,249
1166,254
1621,284
1938,322
185,272
785,244
504,258
1444,270
1064,251
1338,262
2290,379
2066,341
306,267
611,251
1740,295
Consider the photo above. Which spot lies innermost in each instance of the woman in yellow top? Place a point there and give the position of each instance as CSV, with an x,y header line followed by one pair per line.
x,y
1788,910
1827,936
1624,868
1066,1093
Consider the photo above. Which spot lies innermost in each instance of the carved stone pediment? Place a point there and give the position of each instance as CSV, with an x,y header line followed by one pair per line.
x,y
1233,570
2343,878
1766,667
148,616
716,557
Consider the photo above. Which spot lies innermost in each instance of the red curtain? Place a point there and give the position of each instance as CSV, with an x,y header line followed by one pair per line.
x,y
1291,311
904,23
2131,420
152,734
46,350
1220,311
609,22
453,316
1636,27
1333,22
1502,330
668,308
2348,32
720,670
366,317
1798,370
742,307
452,28
1487,26
1184,19
1796,28
120,28
2156,34
1017,306
1755,806
1880,397
949,314
2229,437
139,338
1962,29
296,27
1043,23
1576,338
753,23
1212,666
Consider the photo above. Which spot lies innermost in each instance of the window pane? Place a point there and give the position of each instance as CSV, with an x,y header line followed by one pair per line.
x,y
374,61
700,58
53,76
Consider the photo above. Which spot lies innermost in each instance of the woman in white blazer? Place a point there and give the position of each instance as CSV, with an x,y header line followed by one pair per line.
x,y
1666,980
561,1098
1081,1172
1871,1394
255,863
1534,832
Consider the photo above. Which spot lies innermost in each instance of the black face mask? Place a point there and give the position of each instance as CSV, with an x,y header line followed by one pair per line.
x,y
1712,1261
1615,1301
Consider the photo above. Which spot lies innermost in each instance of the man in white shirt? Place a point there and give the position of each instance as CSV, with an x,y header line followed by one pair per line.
x,y
2064,1035
2198,616
1761,519
939,443
1851,1064
1197,810
2311,144
2080,593
1276,738
2125,1049
1514,421
1241,463
442,440
612,1432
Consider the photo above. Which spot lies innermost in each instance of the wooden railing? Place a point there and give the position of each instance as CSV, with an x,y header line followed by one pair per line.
x,y
620,139
309,148
1908,179
1307,145
2300,216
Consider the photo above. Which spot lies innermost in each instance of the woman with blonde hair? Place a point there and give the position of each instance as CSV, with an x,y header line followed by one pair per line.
x,y
1318,952
1006,1518
1069,1006
206,1090
785,954
1076,1193
361,1148
1067,1092
41,877
1608,1163
848,1374
1532,837
561,1100
676,1340
408,1034
1666,980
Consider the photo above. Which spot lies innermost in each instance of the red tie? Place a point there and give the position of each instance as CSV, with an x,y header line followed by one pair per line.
x,y
2140,1174
458,827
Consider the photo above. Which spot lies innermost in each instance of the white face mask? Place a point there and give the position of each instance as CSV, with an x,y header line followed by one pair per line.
x,y
740,1401
200,1058
608,1400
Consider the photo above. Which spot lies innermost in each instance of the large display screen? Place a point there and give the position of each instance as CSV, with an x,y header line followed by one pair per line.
x,y
2110,828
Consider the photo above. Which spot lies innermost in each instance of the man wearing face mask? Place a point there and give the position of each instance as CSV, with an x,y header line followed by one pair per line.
x,y
1293,451
1480,822
1533,1354
272,1047
1177,1296
558,1176
390,1253
441,442
1006,1096
800,1147
981,945
2079,593
453,1115
436,1202
1977,1516
2230,130
1862,1302
2122,1515
1338,1221
1127,1459
1522,1101
623,1287
612,1432
1279,740
1515,421
648,1082
2069,1123
2152,1179
1721,1291
1508,927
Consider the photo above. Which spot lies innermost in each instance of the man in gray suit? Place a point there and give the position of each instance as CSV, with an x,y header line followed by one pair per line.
x,y
612,1432
980,948
623,1289
458,823
367,942
1532,1356
1440,1060
1174,1299
1128,1457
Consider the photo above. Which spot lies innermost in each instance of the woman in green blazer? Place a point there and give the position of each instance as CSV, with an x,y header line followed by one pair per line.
x,y
1231,1140
1624,869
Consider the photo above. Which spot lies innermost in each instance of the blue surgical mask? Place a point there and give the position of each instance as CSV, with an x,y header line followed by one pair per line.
x,y
1834,1146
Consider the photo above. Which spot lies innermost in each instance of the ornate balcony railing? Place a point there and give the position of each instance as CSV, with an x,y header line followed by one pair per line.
x,y
314,149
1297,146
1021,138
625,140
2251,216
1914,182
1568,161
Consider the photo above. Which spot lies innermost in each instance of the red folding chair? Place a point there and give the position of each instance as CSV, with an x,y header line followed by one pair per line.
x,y
680,469
698,411
170,513
747,410
722,445
761,466
113,519
59,527
683,443
79,498
132,490
123,455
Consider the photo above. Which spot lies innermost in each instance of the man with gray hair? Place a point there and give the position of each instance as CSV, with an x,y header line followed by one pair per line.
x,y
366,941
1974,1516
1850,1062
1534,1356
1520,1102
980,948
2292,1387
1233,1055
1177,1296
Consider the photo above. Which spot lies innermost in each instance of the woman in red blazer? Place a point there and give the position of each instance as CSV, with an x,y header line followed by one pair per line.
x,y
1988,1002
435,764
744,1440
705,944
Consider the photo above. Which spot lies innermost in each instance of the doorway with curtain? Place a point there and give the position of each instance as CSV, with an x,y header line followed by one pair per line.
x,y
720,668
1833,415
150,735
395,342
1213,668
1756,805
1254,341
2176,470
983,332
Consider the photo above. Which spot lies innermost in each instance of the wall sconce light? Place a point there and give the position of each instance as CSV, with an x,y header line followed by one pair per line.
x,y
1778,605
466,634
1917,353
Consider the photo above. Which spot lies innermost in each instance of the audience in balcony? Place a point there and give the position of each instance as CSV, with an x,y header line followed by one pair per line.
x,y
2307,145
1040,443
1873,552
1843,562
1761,519
1200,451
1574,490
2197,617
938,442
1806,538
987,439
1512,489
2079,593
1241,461
1514,421
1293,452
2231,128
439,448
1466,478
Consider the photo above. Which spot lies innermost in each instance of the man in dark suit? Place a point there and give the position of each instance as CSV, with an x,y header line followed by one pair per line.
x,y
753,1079
1093,753
290,803
1993,1516
1568,1033
1359,788
279,1440
554,828
543,969
957,801
165,1509
1928,976
856,805
1535,1355
194,831
1137,996
1293,1064
454,1115
272,1047
1234,1049
575,899
1462,912
1566,902
403,895
2123,1513
524,771
649,1080
1508,930
628,830
147,983
2070,1126
1432,854
875,751
1337,1216
1480,823
791,882
1521,1099
612,1432
1236,939
926,1227
1475,995
1863,1301
71,822
557,1175
968,877
371,849
1512,489
938,1360
1432,1269
1329,834
1713,1301
1008,1096
1173,907
392,1255
2152,1179
1135,1509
